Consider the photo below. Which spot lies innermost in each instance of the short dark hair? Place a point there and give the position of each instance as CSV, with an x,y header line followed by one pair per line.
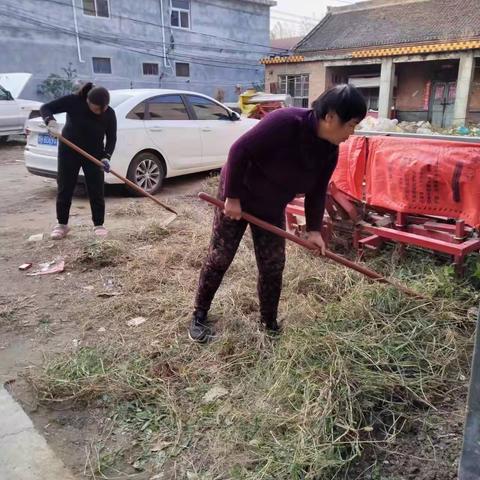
x,y
345,100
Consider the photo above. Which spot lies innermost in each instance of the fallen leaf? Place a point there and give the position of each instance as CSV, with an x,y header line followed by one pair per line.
x,y
135,322
214,394
102,329
108,294
160,445
36,238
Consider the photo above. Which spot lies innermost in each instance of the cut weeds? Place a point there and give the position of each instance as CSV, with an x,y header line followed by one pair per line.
x,y
100,253
357,362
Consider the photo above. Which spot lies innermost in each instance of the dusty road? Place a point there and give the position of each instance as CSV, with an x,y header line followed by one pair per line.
x,y
40,315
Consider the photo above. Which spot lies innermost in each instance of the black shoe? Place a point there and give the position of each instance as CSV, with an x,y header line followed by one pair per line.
x,y
271,325
199,330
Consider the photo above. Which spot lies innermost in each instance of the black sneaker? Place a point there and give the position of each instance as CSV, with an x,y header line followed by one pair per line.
x,y
199,330
271,325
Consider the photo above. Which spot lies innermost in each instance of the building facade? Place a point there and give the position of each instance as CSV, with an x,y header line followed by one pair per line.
x,y
415,60
210,46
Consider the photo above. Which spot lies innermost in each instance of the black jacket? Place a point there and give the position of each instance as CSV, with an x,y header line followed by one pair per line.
x,y
83,127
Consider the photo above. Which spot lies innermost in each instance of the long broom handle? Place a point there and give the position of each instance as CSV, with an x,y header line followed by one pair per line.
x,y
123,179
309,245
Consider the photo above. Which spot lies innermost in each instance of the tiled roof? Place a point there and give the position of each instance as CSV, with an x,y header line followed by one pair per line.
x,y
394,22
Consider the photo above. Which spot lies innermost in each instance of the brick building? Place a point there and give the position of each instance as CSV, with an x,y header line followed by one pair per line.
x,y
413,59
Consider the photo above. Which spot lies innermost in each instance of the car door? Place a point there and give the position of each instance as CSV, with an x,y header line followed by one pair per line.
x,y
175,134
217,129
11,118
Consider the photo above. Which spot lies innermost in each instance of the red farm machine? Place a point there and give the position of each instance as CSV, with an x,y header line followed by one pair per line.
x,y
413,190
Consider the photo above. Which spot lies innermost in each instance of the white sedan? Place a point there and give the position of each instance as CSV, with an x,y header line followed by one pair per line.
x,y
161,134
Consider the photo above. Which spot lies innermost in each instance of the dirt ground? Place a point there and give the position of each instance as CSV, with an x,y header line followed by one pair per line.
x,y
56,313
39,315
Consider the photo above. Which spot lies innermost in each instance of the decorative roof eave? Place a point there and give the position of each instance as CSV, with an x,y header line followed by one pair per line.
x,y
393,51
416,49
289,59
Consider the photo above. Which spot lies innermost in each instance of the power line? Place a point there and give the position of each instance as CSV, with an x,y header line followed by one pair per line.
x,y
155,79
120,42
169,27
294,15
158,43
296,22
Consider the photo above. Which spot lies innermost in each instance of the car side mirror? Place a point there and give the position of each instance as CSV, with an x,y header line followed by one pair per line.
x,y
234,116
9,95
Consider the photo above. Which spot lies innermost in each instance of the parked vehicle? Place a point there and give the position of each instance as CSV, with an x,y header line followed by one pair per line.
x,y
14,111
161,134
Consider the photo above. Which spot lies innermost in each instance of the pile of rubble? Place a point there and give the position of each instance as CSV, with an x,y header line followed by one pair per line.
x,y
386,125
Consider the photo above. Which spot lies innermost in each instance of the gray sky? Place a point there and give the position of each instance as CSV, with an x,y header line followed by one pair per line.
x,y
294,13
308,7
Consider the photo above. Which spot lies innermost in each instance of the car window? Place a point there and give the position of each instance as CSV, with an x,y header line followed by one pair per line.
x,y
167,107
4,94
205,109
138,112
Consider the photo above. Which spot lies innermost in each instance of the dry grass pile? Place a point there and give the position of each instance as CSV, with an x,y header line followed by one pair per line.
x,y
99,254
356,364
135,208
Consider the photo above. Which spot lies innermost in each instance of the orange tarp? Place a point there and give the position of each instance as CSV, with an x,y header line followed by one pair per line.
x,y
412,175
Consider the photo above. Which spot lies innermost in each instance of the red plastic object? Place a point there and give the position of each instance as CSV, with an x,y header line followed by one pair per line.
x,y
423,176
418,192
263,109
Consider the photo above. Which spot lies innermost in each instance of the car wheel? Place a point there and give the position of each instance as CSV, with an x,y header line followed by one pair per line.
x,y
3,139
146,171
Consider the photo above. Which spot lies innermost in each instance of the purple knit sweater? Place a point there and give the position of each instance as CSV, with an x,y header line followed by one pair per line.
x,y
280,158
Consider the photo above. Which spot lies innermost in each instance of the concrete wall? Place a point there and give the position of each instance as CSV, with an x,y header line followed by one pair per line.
x,y
474,106
412,84
409,96
38,37
315,70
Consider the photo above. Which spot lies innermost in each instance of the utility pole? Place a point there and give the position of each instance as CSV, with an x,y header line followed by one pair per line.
x,y
469,468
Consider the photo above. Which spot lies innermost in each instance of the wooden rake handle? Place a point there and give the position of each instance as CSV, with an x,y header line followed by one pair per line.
x,y
123,179
310,246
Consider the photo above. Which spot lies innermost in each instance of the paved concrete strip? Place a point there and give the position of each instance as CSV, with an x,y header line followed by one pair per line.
x,y
24,453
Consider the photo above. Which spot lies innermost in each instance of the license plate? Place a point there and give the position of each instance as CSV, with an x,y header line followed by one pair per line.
x,y
45,139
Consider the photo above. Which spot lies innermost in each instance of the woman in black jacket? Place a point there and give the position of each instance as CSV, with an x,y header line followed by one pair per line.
x,y
89,122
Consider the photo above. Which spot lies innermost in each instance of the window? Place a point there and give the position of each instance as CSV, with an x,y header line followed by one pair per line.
x,y
297,87
182,69
180,16
101,65
167,107
138,112
205,109
96,8
150,68
5,94
371,97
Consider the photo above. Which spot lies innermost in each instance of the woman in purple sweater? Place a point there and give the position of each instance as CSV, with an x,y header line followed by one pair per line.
x,y
292,151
